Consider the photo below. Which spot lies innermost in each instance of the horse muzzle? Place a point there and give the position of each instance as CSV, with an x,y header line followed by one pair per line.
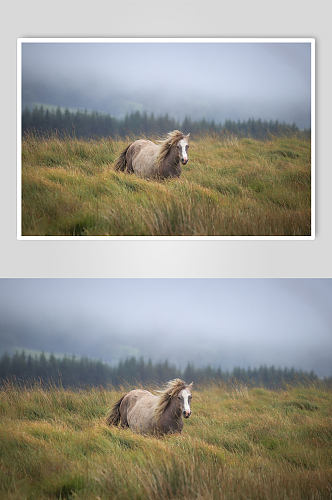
x,y
184,162
186,414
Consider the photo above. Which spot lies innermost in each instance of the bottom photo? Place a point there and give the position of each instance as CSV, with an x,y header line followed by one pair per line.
x,y
165,388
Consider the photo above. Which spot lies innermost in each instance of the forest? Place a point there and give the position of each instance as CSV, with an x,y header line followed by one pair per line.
x,y
83,124
75,372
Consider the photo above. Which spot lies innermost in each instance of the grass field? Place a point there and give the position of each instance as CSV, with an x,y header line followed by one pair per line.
x,y
238,444
230,187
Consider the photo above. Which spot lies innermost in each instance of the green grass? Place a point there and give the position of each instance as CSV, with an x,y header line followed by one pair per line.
x,y
229,188
238,444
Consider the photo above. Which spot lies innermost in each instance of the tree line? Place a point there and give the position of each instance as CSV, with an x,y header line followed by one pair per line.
x,y
82,124
23,368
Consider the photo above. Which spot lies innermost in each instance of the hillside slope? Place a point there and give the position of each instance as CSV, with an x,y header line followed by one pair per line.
x,y
238,444
229,188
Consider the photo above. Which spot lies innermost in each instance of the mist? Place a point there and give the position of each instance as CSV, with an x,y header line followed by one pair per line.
x,y
222,322
215,81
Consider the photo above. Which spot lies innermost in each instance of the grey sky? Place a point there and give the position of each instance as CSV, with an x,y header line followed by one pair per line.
x,y
213,81
223,321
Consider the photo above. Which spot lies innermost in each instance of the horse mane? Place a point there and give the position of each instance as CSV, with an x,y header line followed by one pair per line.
x,y
172,389
166,144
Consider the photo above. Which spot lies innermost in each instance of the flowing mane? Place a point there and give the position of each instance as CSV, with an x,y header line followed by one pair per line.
x,y
166,144
172,389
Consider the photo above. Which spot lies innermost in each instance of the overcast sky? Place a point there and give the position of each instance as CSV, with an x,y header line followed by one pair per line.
x,y
219,321
210,80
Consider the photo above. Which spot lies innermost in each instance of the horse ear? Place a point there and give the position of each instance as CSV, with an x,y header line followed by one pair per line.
x,y
191,384
188,135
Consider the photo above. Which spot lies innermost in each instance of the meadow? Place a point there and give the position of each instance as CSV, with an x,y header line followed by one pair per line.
x,y
239,443
230,187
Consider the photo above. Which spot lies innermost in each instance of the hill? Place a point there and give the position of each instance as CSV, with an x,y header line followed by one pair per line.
x,y
230,187
238,444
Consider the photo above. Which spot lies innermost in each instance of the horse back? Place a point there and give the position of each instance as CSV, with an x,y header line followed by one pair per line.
x,y
131,398
139,406
142,155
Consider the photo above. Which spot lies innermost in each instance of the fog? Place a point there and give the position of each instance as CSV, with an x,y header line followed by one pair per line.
x,y
199,80
223,322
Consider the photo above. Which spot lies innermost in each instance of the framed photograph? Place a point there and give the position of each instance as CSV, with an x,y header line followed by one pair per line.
x,y
166,138
207,389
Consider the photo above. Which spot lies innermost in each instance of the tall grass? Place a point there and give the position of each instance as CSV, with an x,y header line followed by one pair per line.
x,y
234,187
238,444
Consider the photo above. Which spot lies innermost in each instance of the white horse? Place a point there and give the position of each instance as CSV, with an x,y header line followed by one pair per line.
x,y
149,160
146,413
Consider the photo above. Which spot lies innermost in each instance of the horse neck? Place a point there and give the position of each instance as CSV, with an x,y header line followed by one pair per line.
x,y
171,163
171,418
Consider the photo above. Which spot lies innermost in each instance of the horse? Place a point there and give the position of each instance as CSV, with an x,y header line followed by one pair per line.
x,y
149,160
146,413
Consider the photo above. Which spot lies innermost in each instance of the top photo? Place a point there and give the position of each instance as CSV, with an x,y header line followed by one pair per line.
x,y
166,138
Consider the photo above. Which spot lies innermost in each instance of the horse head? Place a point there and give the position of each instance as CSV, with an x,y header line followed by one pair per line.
x,y
183,146
184,400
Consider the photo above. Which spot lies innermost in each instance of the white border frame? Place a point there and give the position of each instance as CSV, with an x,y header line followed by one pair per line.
x,y
20,42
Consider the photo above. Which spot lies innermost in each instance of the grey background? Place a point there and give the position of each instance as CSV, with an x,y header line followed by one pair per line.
x,y
166,258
